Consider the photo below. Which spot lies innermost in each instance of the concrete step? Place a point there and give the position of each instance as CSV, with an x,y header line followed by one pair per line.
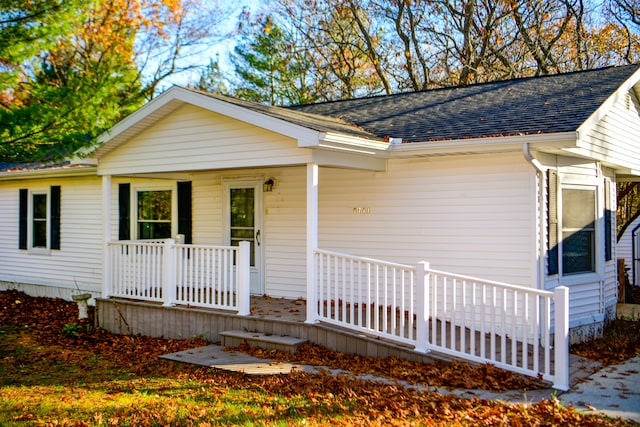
x,y
258,339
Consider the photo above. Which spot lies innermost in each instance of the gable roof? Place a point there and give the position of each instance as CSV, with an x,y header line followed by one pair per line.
x,y
526,106
307,128
308,120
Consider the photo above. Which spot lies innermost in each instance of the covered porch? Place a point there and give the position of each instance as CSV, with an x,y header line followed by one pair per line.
x,y
196,144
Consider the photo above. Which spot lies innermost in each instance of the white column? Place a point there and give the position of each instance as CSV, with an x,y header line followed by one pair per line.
x,y
422,306
312,241
106,237
169,283
244,279
561,338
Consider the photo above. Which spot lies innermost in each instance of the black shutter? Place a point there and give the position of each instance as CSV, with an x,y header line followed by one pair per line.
x,y
608,234
552,212
124,211
23,218
184,210
55,217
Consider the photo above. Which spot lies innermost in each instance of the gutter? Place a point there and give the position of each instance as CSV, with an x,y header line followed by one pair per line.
x,y
558,140
540,171
50,173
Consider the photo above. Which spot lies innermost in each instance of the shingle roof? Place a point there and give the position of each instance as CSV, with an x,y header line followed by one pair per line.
x,y
546,104
15,167
301,118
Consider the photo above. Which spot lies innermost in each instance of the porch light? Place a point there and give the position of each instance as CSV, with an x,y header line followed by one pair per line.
x,y
267,187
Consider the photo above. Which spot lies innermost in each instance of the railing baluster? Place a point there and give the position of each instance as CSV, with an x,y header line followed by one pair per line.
x,y
454,309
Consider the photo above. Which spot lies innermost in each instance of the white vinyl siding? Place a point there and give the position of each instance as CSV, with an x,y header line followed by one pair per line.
x,y
590,293
78,265
283,233
616,137
192,139
470,214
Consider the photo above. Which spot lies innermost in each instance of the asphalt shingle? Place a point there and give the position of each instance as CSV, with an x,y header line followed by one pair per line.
x,y
545,104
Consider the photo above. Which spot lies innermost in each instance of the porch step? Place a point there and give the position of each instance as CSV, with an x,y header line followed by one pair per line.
x,y
258,339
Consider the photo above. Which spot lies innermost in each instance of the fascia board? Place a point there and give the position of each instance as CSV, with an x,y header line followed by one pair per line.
x,y
330,139
561,140
302,134
49,173
118,133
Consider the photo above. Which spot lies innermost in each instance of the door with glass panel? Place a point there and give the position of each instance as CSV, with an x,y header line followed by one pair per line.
x,y
243,201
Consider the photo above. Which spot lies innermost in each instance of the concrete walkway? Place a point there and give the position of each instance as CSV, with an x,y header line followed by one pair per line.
x,y
614,391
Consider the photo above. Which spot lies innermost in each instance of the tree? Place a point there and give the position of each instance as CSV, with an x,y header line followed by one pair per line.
x,y
271,66
212,79
27,28
103,60
261,63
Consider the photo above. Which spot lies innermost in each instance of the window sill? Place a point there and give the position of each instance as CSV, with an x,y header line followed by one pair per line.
x,y
39,251
580,279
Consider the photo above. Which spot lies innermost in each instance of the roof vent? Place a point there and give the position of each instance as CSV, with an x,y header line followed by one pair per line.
x,y
627,100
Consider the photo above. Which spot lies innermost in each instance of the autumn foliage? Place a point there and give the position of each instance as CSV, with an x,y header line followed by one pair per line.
x,y
46,350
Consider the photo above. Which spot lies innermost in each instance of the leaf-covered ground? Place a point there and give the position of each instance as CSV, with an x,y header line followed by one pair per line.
x,y
456,374
58,371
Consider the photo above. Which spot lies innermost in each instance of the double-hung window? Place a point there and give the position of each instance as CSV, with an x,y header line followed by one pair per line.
x,y
578,230
154,211
39,222
153,219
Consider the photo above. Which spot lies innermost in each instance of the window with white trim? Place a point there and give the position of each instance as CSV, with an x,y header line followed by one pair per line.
x,y
39,220
579,218
153,216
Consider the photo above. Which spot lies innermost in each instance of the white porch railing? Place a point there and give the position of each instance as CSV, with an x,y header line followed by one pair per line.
x,y
193,275
474,319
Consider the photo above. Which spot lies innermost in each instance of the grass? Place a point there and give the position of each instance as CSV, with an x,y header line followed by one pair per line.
x,y
53,374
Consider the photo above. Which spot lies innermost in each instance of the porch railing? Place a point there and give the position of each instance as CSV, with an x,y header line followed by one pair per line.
x,y
483,321
192,275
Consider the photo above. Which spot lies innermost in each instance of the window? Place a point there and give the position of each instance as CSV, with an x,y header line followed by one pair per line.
x,y
578,230
153,219
39,222
149,213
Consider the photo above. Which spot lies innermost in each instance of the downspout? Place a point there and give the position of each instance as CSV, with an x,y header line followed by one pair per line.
x,y
540,171
634,255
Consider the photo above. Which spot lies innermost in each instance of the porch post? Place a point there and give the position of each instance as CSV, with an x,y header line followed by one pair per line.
x,y
422,306
106,237
561,339
312,241
169,282
244,279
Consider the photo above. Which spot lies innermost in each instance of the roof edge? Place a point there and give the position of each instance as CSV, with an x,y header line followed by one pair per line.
x,y
604,108
492,144
50,173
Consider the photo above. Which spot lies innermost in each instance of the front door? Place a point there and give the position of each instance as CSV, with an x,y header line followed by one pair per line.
x,y
243,201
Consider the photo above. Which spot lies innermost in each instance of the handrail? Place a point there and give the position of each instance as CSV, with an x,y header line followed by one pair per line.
x,y
195,275
462,316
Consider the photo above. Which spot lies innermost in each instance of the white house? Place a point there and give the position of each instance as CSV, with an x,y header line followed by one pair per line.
x,y
510,182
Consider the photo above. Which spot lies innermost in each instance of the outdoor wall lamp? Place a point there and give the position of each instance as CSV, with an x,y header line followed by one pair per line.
x,y
267,187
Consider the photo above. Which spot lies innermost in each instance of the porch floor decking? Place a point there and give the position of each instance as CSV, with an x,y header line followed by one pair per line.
x,y
287,310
